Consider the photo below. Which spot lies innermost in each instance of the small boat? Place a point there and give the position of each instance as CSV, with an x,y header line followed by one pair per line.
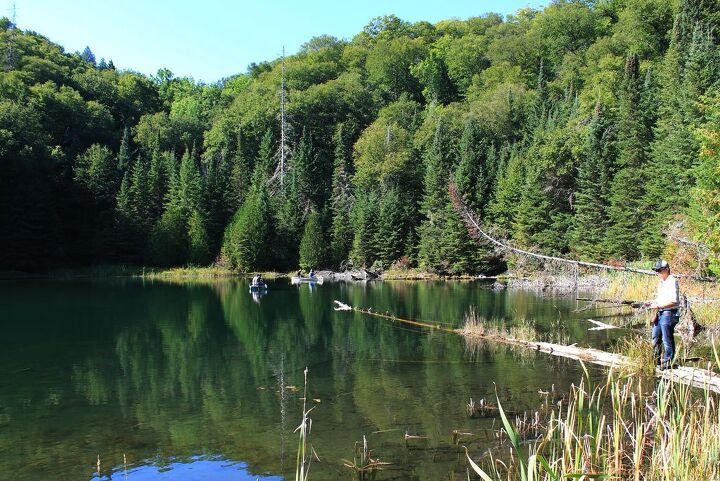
x,y
258,287
312,280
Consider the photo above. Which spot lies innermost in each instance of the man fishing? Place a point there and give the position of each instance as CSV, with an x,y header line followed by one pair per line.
x,y
667,303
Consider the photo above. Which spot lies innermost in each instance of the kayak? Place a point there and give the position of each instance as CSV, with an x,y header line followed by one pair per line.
x,y
258,287
313,280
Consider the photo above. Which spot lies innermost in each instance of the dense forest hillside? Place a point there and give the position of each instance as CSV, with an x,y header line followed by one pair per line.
x,y
589,129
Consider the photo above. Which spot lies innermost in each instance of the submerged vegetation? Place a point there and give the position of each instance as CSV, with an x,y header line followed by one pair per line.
x,y
581,129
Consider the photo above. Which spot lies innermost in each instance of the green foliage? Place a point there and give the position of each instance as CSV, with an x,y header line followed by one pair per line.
x,y
391,227
96,170
198,242
705,200
626,210
247,236
590,222
101,165
364,225
341,235
312,244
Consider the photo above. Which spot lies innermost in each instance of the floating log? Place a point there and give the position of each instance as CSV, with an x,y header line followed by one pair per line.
x,y
623,302
697,377
600,326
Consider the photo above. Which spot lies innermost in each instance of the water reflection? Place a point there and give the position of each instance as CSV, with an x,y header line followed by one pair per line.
x,y
194,469
152,370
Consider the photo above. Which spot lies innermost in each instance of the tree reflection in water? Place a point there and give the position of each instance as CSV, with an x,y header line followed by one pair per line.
x,y
158,371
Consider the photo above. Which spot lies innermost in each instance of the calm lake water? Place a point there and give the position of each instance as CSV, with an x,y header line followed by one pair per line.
x,y
203,381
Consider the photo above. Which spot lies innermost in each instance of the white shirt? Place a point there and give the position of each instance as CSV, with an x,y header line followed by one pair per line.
x,y
668,291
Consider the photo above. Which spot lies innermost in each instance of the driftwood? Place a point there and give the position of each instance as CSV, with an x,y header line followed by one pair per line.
x,y
634,304
697,377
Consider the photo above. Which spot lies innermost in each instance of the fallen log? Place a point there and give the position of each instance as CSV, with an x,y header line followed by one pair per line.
x,y
633,304
697,377
478,232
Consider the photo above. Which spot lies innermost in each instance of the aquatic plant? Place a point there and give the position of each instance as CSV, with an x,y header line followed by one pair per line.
x,y
363,464
618,430
305,452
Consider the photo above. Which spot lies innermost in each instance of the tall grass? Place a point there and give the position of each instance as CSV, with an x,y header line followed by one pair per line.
x,y
621,429
305,451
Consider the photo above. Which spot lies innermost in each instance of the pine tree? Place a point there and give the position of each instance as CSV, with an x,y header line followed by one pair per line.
x,y
88,56
199,242
312,244
249,234
432,252
123,156
688,73
95,171
390,233
245,246
590,222
627,212
476,171
364,224
168,243
534,209
503,207
308,172
704,211
341,236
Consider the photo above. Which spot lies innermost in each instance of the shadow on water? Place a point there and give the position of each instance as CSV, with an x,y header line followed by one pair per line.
x,y
205,380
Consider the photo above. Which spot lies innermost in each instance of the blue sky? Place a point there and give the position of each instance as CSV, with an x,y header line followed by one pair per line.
x,y
212,39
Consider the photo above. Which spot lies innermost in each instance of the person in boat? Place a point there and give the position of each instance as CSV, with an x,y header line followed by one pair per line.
x,y
667,316
312,274
299,273
255,280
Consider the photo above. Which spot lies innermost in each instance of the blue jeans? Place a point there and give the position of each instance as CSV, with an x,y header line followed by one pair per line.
x,y
662,334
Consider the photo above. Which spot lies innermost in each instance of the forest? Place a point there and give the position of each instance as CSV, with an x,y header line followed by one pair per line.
x,y
588,129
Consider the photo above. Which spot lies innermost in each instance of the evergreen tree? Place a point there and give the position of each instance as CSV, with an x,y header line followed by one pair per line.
x,y
503,208
627,211
689,71
390,232
476,171
95,171
123,156
432,252
88,56
245,246
169,241
199,242
341,236
308,172
364,224
705,201
590,222
312,244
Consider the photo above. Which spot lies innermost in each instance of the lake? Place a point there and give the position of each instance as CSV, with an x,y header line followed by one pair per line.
x,y
204,381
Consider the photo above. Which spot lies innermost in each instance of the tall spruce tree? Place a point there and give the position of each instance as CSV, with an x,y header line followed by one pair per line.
x,y
590,222
432,252
627,212
364,224
389,236
691,68
249,234
341,235
312,245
